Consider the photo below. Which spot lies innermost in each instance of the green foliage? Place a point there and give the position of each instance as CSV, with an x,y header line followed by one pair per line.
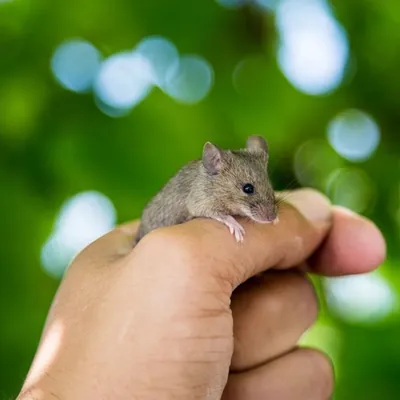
x,y
55,144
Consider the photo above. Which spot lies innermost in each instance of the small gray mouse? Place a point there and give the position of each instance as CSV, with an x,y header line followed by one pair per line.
x,y
220,185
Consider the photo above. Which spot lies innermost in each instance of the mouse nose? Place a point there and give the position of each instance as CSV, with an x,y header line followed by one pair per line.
x,y
264,213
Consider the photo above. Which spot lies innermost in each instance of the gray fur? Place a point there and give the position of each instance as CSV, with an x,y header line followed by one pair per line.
x,y
196,191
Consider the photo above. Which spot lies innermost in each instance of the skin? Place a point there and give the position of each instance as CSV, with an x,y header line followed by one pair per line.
x,y
182,316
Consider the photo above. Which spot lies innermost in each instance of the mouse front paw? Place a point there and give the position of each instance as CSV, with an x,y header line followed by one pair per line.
x,y
235,228
237,231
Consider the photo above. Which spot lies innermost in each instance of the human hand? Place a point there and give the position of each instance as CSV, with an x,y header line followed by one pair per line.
x,y
160,321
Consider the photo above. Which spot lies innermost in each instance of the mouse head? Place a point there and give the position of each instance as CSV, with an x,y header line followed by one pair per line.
x,y
239,182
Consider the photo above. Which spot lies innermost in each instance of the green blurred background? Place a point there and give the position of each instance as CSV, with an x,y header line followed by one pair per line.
x,y
102,101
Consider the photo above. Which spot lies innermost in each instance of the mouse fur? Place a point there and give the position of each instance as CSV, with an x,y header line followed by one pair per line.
x,y
213,187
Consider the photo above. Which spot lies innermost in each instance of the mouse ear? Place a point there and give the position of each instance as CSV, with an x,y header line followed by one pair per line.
x,y
257,143
212,158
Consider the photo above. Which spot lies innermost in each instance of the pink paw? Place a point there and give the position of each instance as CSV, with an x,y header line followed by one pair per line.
x,y
237,231
235,228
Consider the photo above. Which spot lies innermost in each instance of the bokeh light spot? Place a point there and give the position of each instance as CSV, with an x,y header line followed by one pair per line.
x,y
124,80
82,219
55,256
75,64
313,50
354,135
314,161
268,5
111,111
161,54
190,80
364,298
351,188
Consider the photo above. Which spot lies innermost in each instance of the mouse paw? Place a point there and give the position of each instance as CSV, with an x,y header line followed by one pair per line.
x,y
238,232
235,228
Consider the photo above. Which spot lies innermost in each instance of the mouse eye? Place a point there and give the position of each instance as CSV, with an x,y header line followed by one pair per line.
x,y
248,188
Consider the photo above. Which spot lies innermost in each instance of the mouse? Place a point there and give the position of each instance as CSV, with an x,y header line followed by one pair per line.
x,y
221,185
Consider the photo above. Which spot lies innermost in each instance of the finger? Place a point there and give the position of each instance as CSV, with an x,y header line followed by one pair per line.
x,y
113,245
212,249
270,313
304,374
354,246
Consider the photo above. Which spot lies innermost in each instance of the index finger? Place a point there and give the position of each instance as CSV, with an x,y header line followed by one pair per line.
x,y
207,246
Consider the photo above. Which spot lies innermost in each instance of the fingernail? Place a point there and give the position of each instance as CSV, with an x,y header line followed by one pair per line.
x,y
312,204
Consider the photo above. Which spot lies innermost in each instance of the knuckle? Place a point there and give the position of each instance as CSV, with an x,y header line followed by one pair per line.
x,y
191,255
187,259
302,295
165,238
172,244
274,306
323,371
293,292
